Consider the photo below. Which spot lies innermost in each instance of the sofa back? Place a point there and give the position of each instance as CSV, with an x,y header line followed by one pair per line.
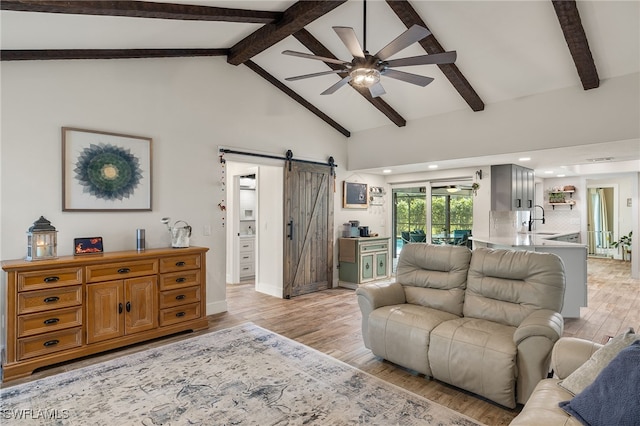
x,y
434,276
505,286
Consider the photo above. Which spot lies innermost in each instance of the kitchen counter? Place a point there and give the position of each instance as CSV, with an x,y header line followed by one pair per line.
x,y
573,255
529,240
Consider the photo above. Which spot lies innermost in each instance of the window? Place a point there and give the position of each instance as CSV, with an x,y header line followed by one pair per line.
x,y
451,215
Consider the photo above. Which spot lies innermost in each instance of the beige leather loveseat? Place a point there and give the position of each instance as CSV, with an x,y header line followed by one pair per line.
x,y
484,321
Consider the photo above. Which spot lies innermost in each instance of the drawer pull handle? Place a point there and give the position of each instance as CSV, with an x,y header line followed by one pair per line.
x,y
51,321
181,280
181,263
51,279
124,270
181,314
51,299
181,297
51,343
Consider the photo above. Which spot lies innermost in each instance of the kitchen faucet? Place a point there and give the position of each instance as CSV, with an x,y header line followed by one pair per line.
x,y
531,219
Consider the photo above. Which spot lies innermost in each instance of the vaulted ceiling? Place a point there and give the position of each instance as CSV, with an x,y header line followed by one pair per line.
x,y
506,49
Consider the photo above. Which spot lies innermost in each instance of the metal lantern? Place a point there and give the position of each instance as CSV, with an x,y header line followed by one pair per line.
x,y
42,240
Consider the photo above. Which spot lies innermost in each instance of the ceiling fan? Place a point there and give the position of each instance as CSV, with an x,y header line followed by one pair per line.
x,y
365,69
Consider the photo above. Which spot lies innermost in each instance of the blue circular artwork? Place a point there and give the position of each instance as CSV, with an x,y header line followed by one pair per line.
x,y
108,172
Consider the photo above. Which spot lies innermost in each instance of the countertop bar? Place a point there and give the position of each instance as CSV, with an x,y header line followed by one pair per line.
x,y
530,240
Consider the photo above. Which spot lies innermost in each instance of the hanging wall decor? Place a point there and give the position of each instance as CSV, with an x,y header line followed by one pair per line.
x,y
103,171
355,195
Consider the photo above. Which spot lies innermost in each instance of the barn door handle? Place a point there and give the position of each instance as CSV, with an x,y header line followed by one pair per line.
x,y
290,225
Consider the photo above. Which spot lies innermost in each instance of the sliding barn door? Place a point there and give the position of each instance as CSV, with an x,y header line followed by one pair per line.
x,y
308,216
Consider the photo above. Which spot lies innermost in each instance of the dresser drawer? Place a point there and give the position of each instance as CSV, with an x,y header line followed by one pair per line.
x,y
246,245
179,314
180,296
44,344
37,280
179,279
179,263
45,300
121,270
44,322
247,270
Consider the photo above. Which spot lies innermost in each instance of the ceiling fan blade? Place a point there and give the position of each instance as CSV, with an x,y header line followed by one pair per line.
x,y
416,79
319,58
436,58
336,86
377,90
404,40
315,74
349,38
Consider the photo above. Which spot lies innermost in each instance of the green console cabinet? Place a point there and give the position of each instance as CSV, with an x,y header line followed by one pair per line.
x,y
363,259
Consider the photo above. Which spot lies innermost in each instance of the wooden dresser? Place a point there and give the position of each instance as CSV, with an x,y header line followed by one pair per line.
x,y
73,306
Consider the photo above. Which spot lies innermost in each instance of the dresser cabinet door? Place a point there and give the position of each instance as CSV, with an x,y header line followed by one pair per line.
x,y
140,304
105,309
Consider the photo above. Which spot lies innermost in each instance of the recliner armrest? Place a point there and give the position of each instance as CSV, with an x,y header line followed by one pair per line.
x,y
569,353
381,294
374,295
542,322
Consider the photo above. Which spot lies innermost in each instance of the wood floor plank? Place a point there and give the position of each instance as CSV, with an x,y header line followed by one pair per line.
x,y
329,321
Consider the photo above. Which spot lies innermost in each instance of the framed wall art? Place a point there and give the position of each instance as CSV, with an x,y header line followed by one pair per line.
x,y
104,171
355,195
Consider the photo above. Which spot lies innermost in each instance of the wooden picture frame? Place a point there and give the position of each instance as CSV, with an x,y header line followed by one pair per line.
x,y
104,171
355,195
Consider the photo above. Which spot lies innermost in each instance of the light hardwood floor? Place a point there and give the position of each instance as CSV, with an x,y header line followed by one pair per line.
x,y
329,321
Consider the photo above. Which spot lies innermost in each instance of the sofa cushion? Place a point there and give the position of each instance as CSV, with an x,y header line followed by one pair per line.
x,y
434,276
582,377
614,397
542,407
477,355
401,334
505,286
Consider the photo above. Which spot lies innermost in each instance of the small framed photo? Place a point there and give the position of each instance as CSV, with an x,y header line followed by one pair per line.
x,y
355,195
91,245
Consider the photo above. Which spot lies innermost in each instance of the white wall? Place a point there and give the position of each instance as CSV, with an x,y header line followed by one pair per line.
x,y
188,110
566,117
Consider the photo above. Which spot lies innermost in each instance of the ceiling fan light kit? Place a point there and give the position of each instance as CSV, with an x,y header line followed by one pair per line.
x,y
365,77
365,70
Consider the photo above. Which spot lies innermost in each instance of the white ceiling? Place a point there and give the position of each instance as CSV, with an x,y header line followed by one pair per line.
x,y
506,50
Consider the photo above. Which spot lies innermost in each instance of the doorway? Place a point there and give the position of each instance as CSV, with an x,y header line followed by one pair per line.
x,y
601,211
260,209
436,213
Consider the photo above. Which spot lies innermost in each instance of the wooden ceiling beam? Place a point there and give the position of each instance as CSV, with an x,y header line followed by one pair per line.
x,y
430,44
571,24
142,9
294,19
317,48
57,54
293,95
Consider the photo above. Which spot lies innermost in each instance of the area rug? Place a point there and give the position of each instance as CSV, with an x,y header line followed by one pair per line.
x,y
244,375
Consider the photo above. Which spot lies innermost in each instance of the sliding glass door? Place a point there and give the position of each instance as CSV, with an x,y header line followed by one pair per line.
x,y
434,214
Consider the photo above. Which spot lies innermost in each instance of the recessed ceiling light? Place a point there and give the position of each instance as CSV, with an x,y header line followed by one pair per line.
x,y
386,171
561,175
433,166
548,172
524,159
